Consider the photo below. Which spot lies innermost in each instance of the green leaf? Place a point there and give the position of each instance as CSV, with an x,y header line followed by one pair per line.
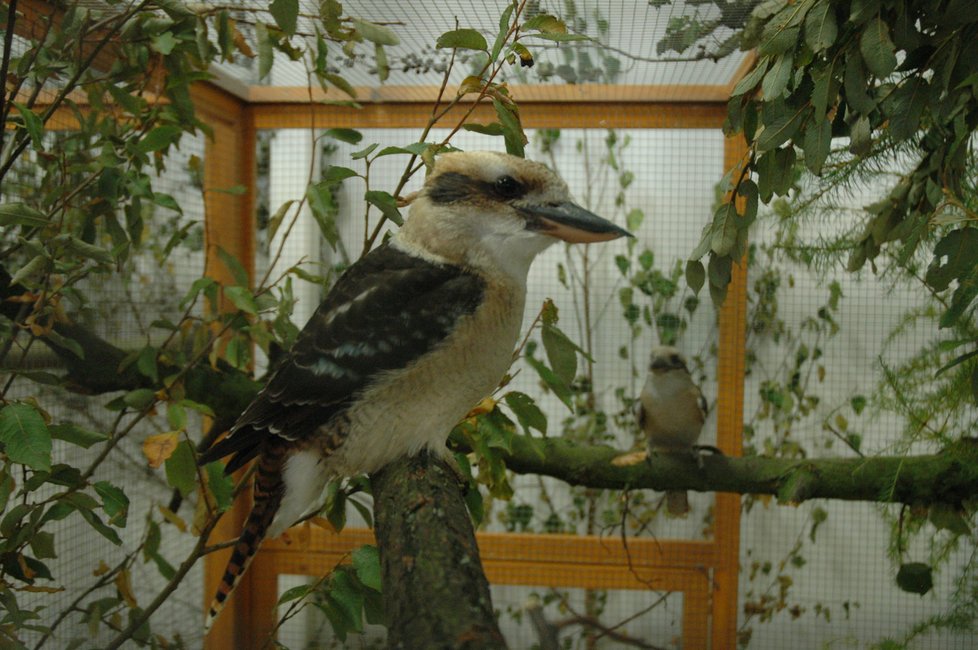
x,y
877,48
7,487
337,174
561,352
526,411
323,206
146,363
782,32
695,275
75,246
817,144
42,543
181,470
295,593
220,485
856,81
164,43
512,129
504,26
386,203
95,522
335,505
718,271
25,436
752,78
974,384
467,39
363,153
380,61
33,125
366,563
348,599
32,271
139,399
375,33
234,265
545,23
159,138
825,85
76,435
494,129
905,106
915,578
555,383
821,29
266,53
350,136
286,14
114,502
242,299
725,228
955,256
945,517
780,122
20,214
776,80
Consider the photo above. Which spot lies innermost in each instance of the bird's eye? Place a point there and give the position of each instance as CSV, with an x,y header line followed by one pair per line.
x,y
508,187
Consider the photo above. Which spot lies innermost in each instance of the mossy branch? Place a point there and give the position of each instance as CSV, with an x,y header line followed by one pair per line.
x,y
950,476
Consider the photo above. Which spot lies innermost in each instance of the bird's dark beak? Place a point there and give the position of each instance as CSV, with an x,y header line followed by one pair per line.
x,y
570,222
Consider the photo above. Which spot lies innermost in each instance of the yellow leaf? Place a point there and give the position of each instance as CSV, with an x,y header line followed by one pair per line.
x,y
202,513
627,460
303,536
102,569
471,84
173,518
323,523
485,406
41,590
124,585
159,447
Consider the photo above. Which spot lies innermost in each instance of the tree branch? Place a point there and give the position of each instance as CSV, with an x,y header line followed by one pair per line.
x,y
949,476
435,593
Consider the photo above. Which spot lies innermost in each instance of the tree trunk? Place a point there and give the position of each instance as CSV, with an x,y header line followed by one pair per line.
x,y
435,593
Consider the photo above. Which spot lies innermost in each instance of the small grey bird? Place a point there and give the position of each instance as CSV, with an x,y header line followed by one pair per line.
x,y
409,339
671,412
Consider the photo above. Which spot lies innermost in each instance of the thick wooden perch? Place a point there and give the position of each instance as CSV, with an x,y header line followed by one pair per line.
x,y
435,593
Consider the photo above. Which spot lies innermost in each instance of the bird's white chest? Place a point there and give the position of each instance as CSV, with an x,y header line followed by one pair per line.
x,y
417,407
672,414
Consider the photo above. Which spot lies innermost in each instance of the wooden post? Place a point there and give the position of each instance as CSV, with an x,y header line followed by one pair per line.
x,y
229,161
730,422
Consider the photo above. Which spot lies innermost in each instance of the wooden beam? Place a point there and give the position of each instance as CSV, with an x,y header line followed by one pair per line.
x,y
600,115
546,93
730,419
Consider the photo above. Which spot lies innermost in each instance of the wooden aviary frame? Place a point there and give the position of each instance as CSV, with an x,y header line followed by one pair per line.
x,y
706,572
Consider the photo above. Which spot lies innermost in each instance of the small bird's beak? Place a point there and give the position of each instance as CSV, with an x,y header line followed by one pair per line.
x,y
570,222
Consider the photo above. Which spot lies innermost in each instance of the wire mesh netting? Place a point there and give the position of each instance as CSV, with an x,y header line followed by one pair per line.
x,y
838,364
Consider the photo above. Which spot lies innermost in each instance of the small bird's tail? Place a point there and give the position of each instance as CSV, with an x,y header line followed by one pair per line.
x,y
268,493
677,503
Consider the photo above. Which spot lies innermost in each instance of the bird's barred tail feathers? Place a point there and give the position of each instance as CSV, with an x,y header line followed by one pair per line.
x,y
267,497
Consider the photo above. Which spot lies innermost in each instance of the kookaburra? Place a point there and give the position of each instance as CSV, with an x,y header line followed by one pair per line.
x,y
409,339
671,412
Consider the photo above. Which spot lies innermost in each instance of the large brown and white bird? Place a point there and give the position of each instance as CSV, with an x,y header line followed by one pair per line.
x,y
409,339
671,413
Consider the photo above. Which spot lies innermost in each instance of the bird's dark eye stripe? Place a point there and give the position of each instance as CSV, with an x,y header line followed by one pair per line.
x,y
451,187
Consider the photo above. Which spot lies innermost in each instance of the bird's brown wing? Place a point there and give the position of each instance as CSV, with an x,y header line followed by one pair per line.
x,y
384,312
